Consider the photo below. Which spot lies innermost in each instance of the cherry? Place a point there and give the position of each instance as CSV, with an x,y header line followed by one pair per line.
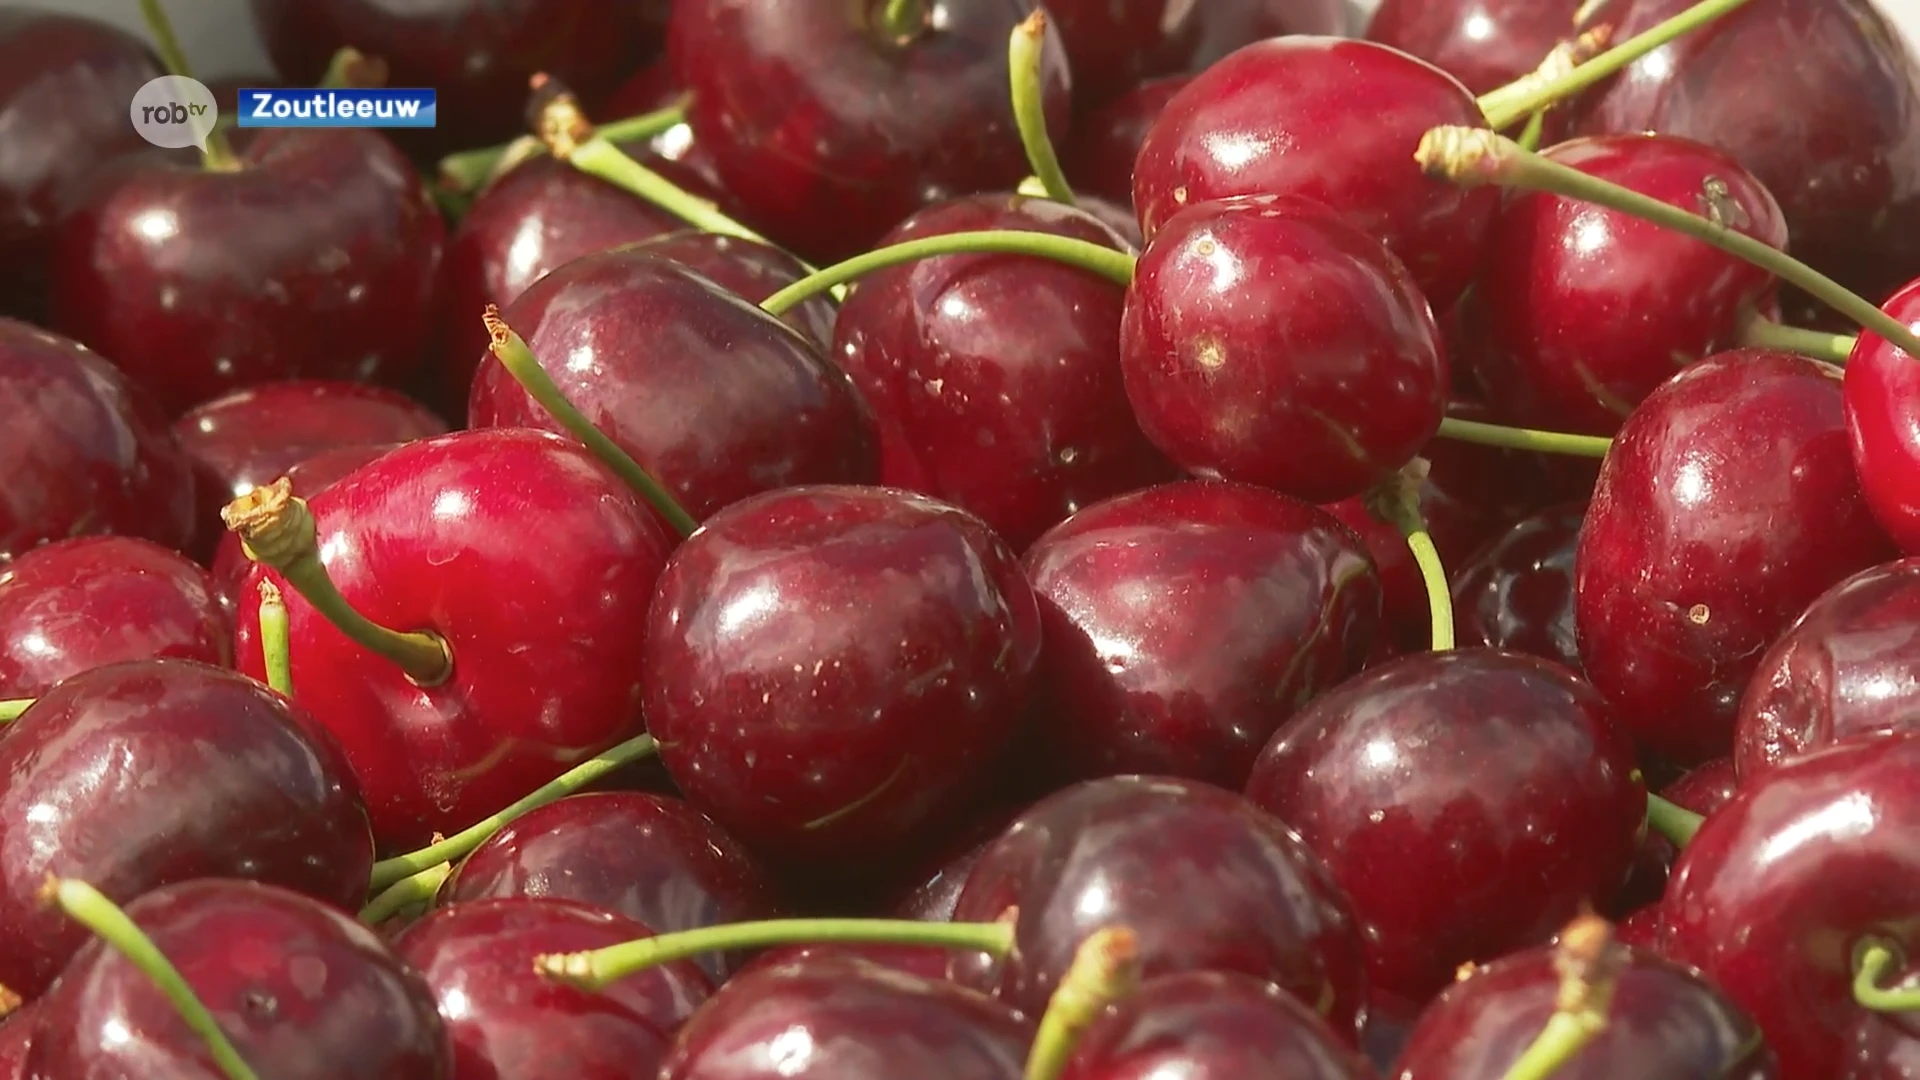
x,y
230,564
1205,879
1469,802
85,452
1677,590
996,377
1771,896
544,637
1329,119
652,859
1884,1045
288,980
831,669
707,392
830,125
750,270
1184,623
1112,47
1702,790
140,774
1485,44
920,961
1842,670
1582,311
16,1033
1267,341
509,1022
1881,382
847,1020
1517,592
1663,1023
1211,1025
1099,157
1640,930
96,600
315,258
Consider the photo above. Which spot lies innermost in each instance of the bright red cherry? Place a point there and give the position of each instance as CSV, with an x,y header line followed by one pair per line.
x,y
750,270
1883,424
1483,43
230,564
1517,592
1112,47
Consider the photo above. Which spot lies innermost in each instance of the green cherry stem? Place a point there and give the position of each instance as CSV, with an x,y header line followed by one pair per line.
x,y
471,170
1115,266
1105,970
1397,502
1671,820
514,355
1470,156
414,890
11,708
1512,438
1026,48
351,69
279,530
388,871
597,969
902,20
1873,959
1764,333
83,904
1589,962
275,654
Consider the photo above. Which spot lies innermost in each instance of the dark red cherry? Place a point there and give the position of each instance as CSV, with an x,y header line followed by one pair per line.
x,y
78,604
1184,623
750,270
1268,341
1483,43
145,773
1703,790
831,669
1469,802
996,378
1517,592
1333,120
16,1034
1213,1025
1406,621
1884,1045
1882,383
918,961
1640,930
717,398
289,980
1771,896
509,1022
230,563
1112,47
1205,879
1099,157
1663,1023
1582,311
1677,590
84,452
316,259
650,858
544,631
830,127
848,1020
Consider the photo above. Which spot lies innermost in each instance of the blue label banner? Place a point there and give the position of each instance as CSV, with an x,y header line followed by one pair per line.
x,y
318,108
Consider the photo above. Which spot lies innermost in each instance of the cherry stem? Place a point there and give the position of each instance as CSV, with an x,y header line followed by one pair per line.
x,y
1470,156
414,890
351,69
471,170
1671,820
1397,502
85,905
278,529
1764,333
1536,127
1563,58
1026,48
902,20
1534,91
1116,266
1873,959
596,969
275,654
218,155
1513,438
11,708
514,355
1105,970
388,871
1589,962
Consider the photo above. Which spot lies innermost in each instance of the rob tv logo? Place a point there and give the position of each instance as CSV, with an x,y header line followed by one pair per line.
x,y
174,111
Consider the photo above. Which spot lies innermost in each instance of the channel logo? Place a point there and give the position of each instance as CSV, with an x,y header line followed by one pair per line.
x,y
175,112
328,108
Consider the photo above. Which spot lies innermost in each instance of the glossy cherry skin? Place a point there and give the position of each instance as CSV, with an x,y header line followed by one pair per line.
x,y
996,378
832,669
1517,592
509,1022
1333,120
1099,157
1184,623
1483,43
1268,341
1883,427
649,858
1212,1025
750,270
848,1019
830,131
918,961
1703,790
1884,1045
1665,1023
545,637
1112,47
712,395
1582,311
1771,895
1677,592
1469,802
141,774
230,564
1205,879
316,259
289,980
1817,98
16,1035
85,452
78,604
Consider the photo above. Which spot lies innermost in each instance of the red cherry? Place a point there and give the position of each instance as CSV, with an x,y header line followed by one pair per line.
x,y
1702,790
1099,157
750,270
1114,46
16,1031
1882,384
1484,43
1517,592
230,563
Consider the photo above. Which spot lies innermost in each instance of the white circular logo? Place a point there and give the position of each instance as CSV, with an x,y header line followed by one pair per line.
x,y
174,111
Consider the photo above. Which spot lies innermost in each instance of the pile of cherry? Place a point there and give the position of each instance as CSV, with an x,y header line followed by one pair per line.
x,y
1298,586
